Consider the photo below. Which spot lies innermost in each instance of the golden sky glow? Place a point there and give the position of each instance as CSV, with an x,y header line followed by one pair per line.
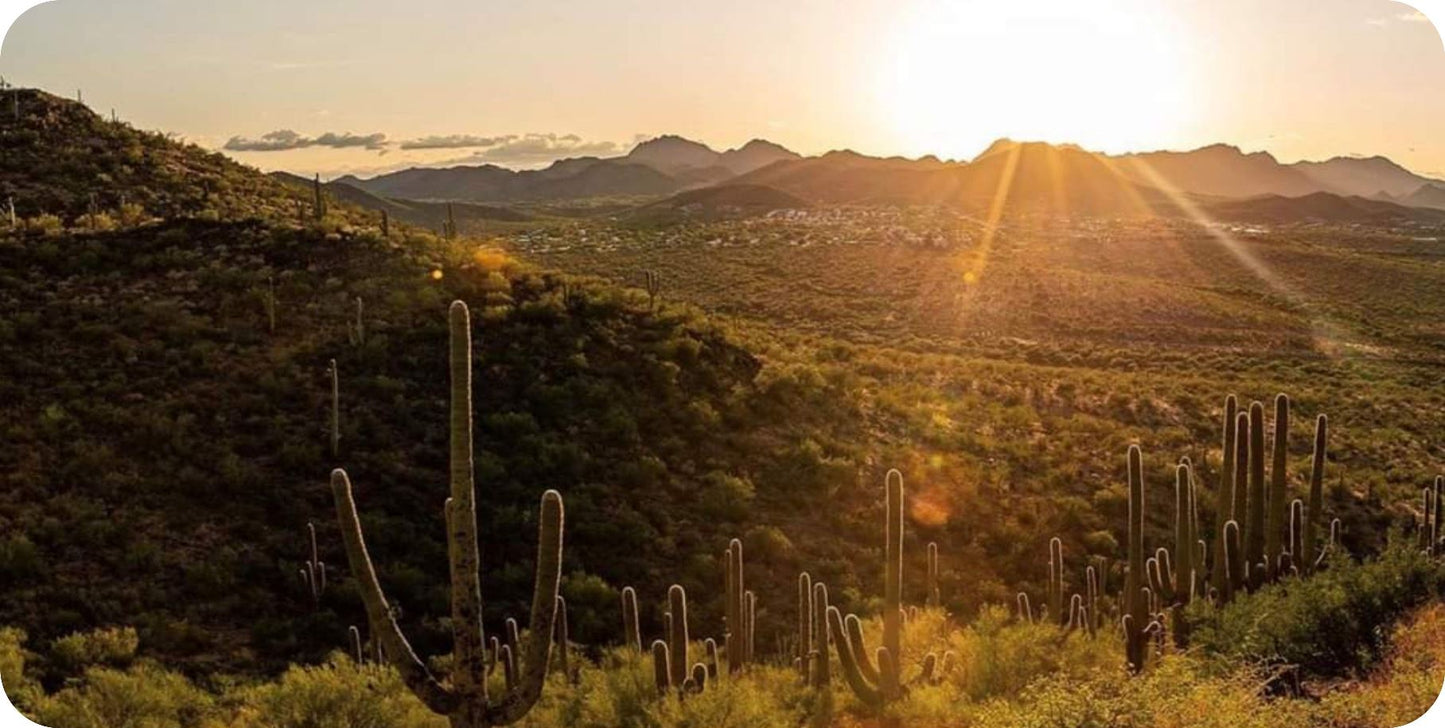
x,y
367,85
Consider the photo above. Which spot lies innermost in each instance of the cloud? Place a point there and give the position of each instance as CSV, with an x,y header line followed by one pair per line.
x,y
283,140
537,148
1414,16
456,141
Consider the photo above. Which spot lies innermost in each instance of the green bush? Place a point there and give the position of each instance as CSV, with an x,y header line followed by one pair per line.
x,y
1334,623
113,647
338,694
145,696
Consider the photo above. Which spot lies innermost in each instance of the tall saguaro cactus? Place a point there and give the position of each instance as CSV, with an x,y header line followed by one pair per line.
x,y
677,635
1224,500
935,598
1136,616
314,574
1278,513
465,701
805,624
821,671
632,636
883,684
1184,567
1314,510
734,637
1254,523
1056,582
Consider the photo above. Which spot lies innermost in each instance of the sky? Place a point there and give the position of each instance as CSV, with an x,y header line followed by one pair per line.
x,y
366,86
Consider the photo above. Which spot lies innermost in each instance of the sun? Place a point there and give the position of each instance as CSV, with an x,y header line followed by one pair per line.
x,y
1111,75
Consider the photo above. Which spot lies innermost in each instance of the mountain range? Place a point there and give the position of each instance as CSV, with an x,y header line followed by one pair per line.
x,y
1037,176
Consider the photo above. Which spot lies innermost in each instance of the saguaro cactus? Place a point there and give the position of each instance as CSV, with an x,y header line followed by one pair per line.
x,y
1056,582
805,624
822,672
318,200
465,701
677,633
736,637
1241,469
935,599
1136,617
1254,523
1224,500
1184,567
661,670
632,636
1278,495
1233,562
313,575
1296,533
1026,610
885,684
710,649
1314,510
385,224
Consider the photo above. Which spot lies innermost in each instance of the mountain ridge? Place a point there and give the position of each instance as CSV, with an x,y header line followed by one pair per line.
x,y
669,164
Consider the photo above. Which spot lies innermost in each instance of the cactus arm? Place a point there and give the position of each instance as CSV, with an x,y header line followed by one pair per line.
x,y
384,628
848,659
544,613
853,630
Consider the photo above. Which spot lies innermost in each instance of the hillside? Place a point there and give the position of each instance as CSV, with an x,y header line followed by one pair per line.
x,y
63,159
1325,207
167,446
427,215
565,179
156,339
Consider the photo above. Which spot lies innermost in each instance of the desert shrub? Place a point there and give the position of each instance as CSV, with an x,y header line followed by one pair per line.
x,y
144,696
18,686
1334,623
45,223
110,647
337,694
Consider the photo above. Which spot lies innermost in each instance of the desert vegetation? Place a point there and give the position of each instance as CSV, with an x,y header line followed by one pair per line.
x,y
1081,525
